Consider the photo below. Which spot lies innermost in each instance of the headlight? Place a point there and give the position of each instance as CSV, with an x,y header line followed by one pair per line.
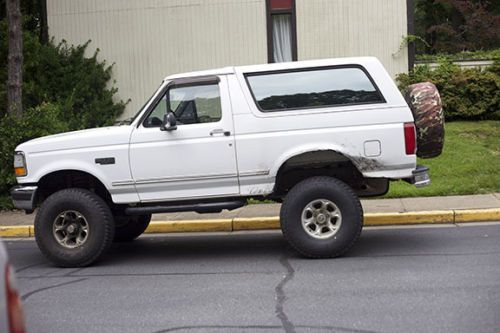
x,y
20,168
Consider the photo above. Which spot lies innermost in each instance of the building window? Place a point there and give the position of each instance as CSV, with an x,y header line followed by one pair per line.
x,y
281,31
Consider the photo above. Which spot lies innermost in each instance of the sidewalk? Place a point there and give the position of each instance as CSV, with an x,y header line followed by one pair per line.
x,y
370,206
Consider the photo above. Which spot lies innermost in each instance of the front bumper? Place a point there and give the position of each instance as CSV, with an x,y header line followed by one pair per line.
x,y
23,197
420,177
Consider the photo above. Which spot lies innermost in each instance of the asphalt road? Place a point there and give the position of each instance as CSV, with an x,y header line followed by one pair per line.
x,y
426,279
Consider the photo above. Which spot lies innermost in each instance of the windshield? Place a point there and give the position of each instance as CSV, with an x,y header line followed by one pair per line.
x,y
130,120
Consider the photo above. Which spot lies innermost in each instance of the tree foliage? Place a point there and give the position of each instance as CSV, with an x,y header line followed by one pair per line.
x,y
451,26
32,15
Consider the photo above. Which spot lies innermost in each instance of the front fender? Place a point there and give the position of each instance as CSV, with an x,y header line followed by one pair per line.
x,y
75,165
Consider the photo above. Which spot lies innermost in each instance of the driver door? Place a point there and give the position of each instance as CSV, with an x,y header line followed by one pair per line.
x,y
196,160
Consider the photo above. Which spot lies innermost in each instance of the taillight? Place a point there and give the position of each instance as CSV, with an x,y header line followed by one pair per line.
x,y
14,308
410,139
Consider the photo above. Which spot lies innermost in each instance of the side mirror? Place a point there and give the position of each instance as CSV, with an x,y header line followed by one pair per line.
x,y
169,122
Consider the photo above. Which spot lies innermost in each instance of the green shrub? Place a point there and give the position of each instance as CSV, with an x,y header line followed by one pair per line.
x,y
78,84
63,90
464,55
61,74
467,94
39,121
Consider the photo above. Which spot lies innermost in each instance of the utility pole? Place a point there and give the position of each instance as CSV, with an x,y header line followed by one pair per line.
x,y
15,58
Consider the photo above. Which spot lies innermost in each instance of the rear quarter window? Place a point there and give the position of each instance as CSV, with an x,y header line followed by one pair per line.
x,y
312,88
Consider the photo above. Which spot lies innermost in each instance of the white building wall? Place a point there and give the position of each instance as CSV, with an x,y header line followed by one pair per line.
x,y
344,28
150,39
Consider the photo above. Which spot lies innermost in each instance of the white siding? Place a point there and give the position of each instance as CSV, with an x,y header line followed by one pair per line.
x,y
344,28
150,39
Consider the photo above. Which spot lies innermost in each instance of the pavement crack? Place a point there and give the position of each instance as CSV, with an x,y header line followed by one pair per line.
x,y
25,296
405,209
66,272
281,297
254,328
70,273
219,327
28,267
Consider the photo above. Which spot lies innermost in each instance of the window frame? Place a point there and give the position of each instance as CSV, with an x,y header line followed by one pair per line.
x,y
269,27
311,69
181,82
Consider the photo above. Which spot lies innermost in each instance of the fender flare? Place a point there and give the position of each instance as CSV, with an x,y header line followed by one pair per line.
x,y
309,148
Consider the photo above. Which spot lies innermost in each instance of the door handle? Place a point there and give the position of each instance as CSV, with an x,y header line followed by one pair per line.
x,y
219,131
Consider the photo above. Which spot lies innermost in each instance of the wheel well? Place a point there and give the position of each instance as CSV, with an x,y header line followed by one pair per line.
x,y
59,180
324,163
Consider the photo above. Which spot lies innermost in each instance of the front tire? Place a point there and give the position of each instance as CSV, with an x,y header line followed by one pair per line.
x,y
321,217
74,227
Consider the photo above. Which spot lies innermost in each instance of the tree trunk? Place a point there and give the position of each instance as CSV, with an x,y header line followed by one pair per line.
x,y
15,59
44,29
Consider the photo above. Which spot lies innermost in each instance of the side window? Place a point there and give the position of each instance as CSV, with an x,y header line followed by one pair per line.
x,y
191,104
155,118
312,88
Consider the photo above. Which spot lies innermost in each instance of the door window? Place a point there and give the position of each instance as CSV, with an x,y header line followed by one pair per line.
x,y
191,104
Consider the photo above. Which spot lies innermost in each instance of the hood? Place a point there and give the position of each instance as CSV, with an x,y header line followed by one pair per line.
x,y
104,136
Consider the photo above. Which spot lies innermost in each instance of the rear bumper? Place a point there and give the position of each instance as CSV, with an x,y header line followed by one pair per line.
x,y
420,176
23,197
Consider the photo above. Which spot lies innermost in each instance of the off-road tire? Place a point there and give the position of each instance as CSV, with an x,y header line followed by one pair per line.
x,y
98,216
425,104
335,191
128,228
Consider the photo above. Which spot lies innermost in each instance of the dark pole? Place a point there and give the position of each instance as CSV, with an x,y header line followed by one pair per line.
x,y
410,16
44,29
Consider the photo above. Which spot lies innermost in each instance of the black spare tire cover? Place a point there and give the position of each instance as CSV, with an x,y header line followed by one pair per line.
x,y
425,104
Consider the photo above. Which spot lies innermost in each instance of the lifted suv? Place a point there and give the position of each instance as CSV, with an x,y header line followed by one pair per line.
x,y
314,135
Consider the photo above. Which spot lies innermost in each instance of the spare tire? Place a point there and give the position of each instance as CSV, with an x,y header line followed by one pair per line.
x,y
425,104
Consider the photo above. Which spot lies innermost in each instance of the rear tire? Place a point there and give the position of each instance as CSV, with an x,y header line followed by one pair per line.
x,y
128,228
321,217
73,227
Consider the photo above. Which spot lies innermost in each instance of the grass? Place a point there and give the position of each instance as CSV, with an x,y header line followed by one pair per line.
x,y
469,164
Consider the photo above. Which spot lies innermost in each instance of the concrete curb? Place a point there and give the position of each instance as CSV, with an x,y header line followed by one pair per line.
x,y
269,223
16,231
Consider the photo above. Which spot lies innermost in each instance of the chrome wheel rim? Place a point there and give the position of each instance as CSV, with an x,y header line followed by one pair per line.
x,y
71,229
321,219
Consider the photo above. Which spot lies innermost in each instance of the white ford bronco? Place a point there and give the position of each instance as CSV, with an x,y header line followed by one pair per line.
x,y
314,135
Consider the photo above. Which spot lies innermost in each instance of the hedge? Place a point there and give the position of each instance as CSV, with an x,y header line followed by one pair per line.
x,y
461,56
467,94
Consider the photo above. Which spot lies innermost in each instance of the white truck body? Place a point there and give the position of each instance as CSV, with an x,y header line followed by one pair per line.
x,y
314,135
241,154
